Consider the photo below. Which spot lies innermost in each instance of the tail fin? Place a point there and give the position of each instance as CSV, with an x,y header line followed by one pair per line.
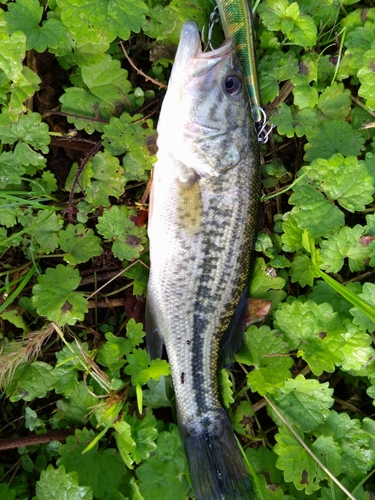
x,y
216,467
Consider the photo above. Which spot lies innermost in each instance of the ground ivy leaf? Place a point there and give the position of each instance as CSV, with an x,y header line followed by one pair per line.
x,y
357,351
80,243
333,136
122,134
54,297
31,130
128,239
144,434
109,180
241,419
117,347
107,80
303,271
225,384
44,228
357,455
367,78
305,96
56,484
101,471
124,441
265,283
334,102
322,292
35,382
142,368
329,452
77,406
315,330
343,179
292,235
13,49
10,169
139,273
281,15
159,393
304,402
103,19
164,474
264,348
76,101
264,462
298,466
359,318
314,213
345,244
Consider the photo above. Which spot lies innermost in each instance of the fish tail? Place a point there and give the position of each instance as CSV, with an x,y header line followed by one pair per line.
x,y
215,462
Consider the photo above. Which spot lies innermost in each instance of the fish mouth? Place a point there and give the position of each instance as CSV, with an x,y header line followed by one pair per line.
x,y
190,60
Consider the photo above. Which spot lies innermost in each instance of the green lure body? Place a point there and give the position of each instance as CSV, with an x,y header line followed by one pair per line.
x,y
237,24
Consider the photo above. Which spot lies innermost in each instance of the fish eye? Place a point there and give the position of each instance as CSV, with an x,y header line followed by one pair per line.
x,y
232,85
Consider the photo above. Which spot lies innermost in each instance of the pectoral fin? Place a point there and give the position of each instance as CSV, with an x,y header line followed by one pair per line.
x,y
232,339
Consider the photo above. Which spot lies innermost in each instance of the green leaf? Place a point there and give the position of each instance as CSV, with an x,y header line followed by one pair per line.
x,y
314,213
357,456
128,239
44,230
32,421
103,19
144,434
367,78
12,53
345,244
34,382
56,484
85,110
359,318
292,236
54,297
126,133
265,283
281,15
335,102
164,474
117,347
31,130
107,80
298,466
77,405
142,368
109,180
124,441
80,243
333,136
101,471
303,271
343,179
264,349
315,330
226,385
304,403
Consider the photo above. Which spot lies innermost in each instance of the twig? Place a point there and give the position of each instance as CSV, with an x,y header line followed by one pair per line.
x,y
84,162
140,72
310,452
11,443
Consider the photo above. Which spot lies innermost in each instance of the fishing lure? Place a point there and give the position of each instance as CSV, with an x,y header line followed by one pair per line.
x,y
237,22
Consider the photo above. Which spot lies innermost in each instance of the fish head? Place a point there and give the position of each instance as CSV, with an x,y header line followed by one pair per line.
x,y
206,108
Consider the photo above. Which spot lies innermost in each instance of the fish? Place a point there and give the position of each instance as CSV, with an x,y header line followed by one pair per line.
x,y
203,213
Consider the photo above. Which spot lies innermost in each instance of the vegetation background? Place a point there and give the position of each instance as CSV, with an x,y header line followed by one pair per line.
x,y
81,84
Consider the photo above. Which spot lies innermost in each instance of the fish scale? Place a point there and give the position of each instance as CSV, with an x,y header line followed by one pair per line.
x,y
203,210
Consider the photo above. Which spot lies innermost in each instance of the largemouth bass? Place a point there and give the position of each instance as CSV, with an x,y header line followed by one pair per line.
x,y
203,217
